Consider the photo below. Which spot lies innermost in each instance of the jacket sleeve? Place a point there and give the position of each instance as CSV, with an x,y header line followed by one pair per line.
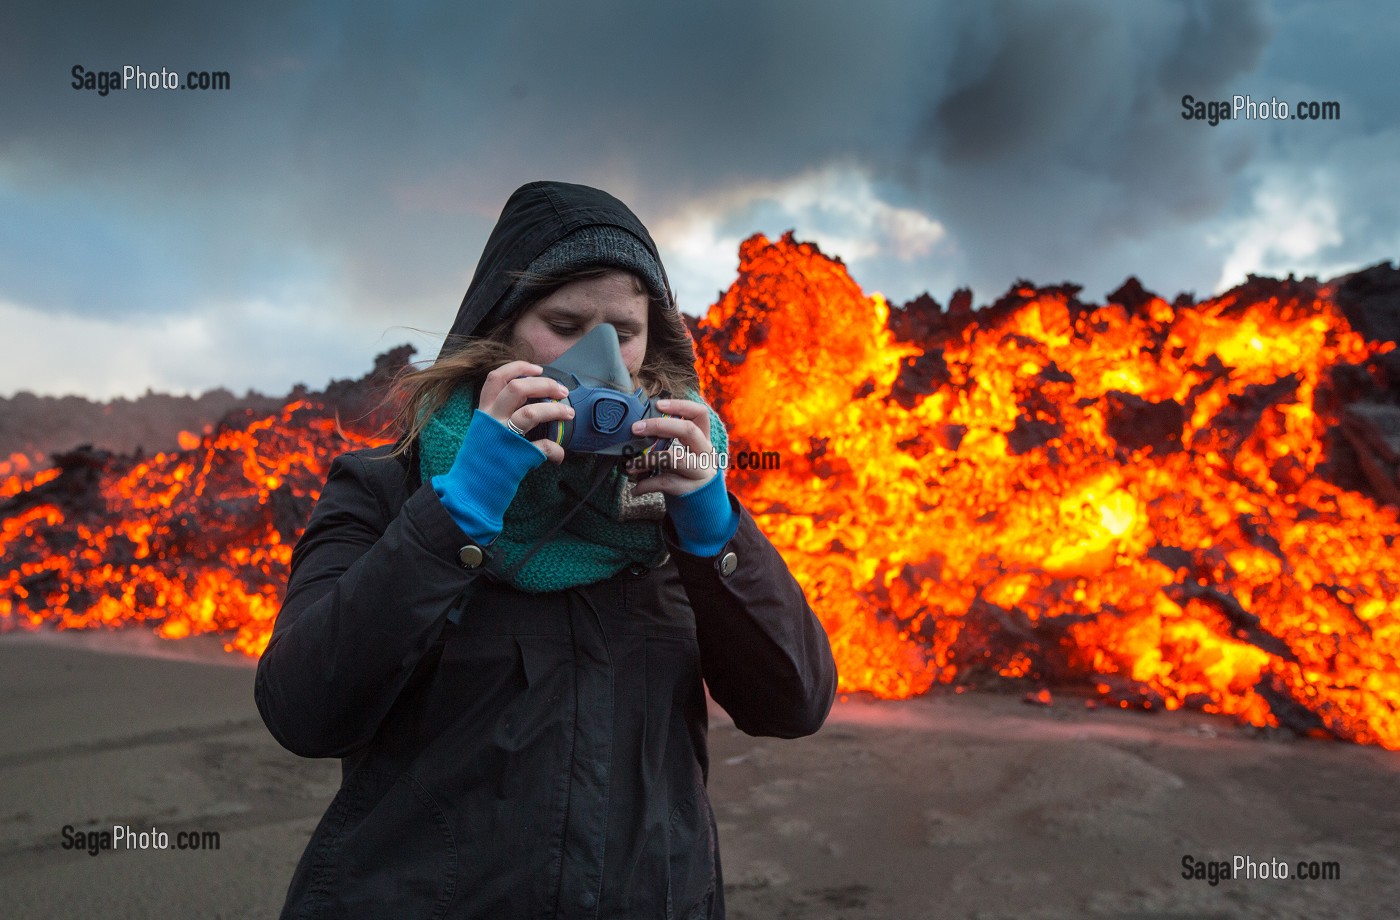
x,y
763,652
367,597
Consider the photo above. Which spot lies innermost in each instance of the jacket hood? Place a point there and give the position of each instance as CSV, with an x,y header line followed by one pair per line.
x,y
535,217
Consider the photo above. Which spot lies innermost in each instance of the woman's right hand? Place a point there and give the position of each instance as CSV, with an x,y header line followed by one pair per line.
x,y
506,395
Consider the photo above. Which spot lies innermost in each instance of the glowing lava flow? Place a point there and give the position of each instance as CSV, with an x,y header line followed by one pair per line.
x,y
194,541
1124,497
1066,492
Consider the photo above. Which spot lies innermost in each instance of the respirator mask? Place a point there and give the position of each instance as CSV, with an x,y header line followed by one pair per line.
x,y
603,399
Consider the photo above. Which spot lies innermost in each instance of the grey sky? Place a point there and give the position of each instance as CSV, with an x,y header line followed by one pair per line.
x,y
336,198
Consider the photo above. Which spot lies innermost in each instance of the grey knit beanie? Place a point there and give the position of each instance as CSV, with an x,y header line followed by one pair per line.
x,y
594,246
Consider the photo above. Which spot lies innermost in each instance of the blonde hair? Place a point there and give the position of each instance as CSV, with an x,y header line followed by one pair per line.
x,y
668,367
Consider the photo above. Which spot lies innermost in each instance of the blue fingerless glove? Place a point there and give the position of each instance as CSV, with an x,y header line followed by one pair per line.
x,y
704,519
484,477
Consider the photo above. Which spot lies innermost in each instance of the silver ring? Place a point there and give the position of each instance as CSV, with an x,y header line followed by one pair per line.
x,y
510,423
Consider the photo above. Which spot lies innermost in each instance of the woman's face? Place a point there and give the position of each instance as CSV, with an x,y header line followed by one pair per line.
x,y
547,330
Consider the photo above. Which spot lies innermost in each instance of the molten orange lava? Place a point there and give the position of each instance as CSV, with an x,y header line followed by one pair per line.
x,y
185,540
1121,497
910,526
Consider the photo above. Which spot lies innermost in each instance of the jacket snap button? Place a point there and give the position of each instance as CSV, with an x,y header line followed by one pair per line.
x,y
470,556
637,569
728,564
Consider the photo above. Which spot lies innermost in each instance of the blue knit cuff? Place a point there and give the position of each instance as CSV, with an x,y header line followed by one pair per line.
x,y
485,476
704,519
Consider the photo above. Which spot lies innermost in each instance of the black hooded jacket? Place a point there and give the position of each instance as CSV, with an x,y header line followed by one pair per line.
x,y
545,757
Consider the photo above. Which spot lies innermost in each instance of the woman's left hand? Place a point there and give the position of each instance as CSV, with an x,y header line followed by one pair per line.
x,y
689,463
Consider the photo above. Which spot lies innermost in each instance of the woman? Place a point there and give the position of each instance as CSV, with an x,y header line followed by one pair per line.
x,y
505,643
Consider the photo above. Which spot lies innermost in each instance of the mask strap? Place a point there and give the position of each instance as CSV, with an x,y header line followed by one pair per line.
x,y
459,604
599,477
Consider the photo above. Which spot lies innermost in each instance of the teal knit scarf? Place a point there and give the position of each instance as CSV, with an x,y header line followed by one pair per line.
x,y
612,531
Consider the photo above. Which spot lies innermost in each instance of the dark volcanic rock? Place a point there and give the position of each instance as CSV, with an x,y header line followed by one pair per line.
x,y
1030,433
1136,423
919,320
1132,296
1372,431
918,377
1370,299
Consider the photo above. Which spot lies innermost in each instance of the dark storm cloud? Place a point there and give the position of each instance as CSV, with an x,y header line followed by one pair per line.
x,y
364,149
381,140
1062,136
346,121
143,201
